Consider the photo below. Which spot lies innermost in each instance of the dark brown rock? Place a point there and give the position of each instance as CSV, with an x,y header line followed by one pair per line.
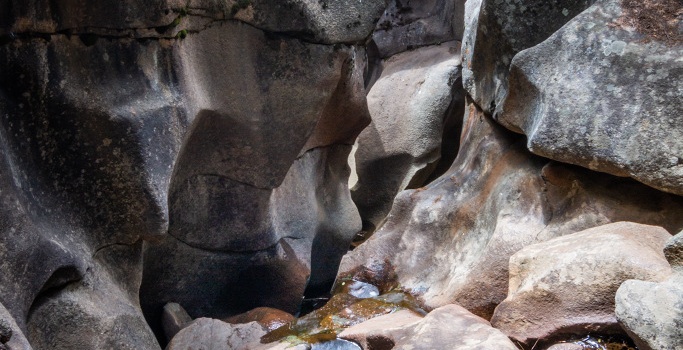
x,y
267,317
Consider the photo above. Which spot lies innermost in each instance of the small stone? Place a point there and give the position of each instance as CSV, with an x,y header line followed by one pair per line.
x,y
173,319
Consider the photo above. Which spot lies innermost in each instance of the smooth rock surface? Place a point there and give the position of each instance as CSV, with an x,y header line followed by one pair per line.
x,y
173,319
496,30
207,333
447,327
414,104
451,240
620,113
567,284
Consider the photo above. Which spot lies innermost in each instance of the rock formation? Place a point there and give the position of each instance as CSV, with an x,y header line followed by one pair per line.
x,y
167,166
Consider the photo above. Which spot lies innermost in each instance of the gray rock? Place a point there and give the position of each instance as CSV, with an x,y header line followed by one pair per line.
x,y
567,285
415,23
604,96
451,240
652,313
674,251
414,104
447,327
11,337
312,220
173,319
328,21
496,30
207,333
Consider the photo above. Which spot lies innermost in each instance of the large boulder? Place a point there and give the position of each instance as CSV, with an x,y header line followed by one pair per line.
x,y
651,312
450,241
415,104
448,327
566,286
496,30
605,94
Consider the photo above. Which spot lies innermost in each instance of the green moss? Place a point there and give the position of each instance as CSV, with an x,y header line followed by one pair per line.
x,y
181,34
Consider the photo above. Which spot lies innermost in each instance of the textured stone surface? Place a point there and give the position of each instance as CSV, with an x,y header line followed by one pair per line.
x,y
451,240
621,113
330,21
448,327
207,333
411,24
652,313
10,335
173,319
567,284
496,30
416,100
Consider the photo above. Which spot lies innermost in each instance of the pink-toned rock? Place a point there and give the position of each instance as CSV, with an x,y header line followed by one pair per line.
x,y
448,327
567,285
450,241
208,333
267,317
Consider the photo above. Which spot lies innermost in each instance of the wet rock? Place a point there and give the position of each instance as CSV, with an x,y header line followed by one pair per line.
x,y
496,30
358,289
173,319
567,284
412,24
267,317
447,327
337,344
342,311
207,333
652,313
414,105
566,346
451,240
615,115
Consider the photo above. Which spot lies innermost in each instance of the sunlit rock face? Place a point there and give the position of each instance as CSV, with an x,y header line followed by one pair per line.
x,y
450,241
187,134
622,111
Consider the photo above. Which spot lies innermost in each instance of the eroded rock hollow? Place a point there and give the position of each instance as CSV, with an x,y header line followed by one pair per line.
x,y
449,174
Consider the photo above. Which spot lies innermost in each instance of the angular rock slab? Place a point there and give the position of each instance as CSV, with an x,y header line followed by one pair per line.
x,y
412,104
604,96
652,313
496,30
451,240
447,327
567,285
207,333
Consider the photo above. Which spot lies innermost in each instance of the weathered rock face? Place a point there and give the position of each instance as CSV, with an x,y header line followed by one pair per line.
x,y
567,284
626,123
496,30
415,23
332,21
416,102
652,313
448,327
451,240
110,127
